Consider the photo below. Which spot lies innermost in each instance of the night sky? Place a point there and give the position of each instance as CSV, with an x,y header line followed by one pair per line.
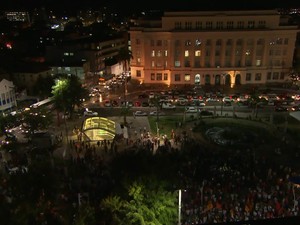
x,y
132,5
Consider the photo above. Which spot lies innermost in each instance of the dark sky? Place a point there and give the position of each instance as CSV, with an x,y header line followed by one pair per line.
x,y
131,5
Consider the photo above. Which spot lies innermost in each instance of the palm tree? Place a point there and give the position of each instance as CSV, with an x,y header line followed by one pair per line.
x,y
68,93
124,56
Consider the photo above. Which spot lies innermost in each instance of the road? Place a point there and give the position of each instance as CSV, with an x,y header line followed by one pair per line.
x,y
240,111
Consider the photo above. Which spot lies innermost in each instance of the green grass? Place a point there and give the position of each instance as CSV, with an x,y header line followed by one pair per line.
x,y
168,123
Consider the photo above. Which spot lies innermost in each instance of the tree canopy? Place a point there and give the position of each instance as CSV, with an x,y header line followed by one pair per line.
x,y
68,93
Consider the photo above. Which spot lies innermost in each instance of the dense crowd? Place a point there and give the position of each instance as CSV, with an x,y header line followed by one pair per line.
x,y
237,186
219,186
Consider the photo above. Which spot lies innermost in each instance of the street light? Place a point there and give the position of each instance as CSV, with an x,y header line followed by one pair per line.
x,y
179,205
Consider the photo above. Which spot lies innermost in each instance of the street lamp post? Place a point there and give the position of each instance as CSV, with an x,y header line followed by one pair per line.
x,y
179,207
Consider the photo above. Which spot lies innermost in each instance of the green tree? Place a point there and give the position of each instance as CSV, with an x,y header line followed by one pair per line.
x,y
125,110
156,101
7,121
151,205
85,215
68,93
254,101
124,56
295,76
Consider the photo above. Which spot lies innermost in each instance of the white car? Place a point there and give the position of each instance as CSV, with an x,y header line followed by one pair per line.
x,y
167,105
212,100
140,113
155,113
191,109
227,99
90,113
201,103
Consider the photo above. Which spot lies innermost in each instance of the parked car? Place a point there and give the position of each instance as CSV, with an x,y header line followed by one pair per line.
x,y
280,109
137,104
181,101
154,113
211,99
201,103
167,105
191,109
295,108
107,103
90,113
145,104
127,104
140,113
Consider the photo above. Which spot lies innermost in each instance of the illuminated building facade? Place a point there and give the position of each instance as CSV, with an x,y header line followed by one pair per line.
x,y
213,48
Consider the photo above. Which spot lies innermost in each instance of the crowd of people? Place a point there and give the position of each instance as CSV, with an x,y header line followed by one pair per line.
x,y
219,186
235,186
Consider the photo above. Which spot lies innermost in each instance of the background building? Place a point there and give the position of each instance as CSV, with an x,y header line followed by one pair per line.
x,y
213,48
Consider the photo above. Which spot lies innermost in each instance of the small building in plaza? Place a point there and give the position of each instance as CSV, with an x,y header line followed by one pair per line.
x,y
100,128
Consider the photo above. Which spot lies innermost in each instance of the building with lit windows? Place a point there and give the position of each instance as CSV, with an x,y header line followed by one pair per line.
x,y
92,55
17,16
213,48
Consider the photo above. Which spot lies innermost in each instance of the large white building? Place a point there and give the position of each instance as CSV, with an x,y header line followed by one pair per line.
x,y
7,95
213,48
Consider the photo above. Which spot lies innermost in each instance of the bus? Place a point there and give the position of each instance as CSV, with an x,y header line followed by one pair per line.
x,y
48,102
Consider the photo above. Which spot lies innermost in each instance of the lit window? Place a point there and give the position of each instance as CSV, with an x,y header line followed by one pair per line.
x,y
197,53
177,63
258,62
187,77
153,53
186,53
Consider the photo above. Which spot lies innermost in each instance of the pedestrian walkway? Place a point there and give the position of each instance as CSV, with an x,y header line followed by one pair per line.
x,y
138,134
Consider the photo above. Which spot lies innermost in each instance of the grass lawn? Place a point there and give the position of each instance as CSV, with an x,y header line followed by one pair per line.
x,y
168,123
